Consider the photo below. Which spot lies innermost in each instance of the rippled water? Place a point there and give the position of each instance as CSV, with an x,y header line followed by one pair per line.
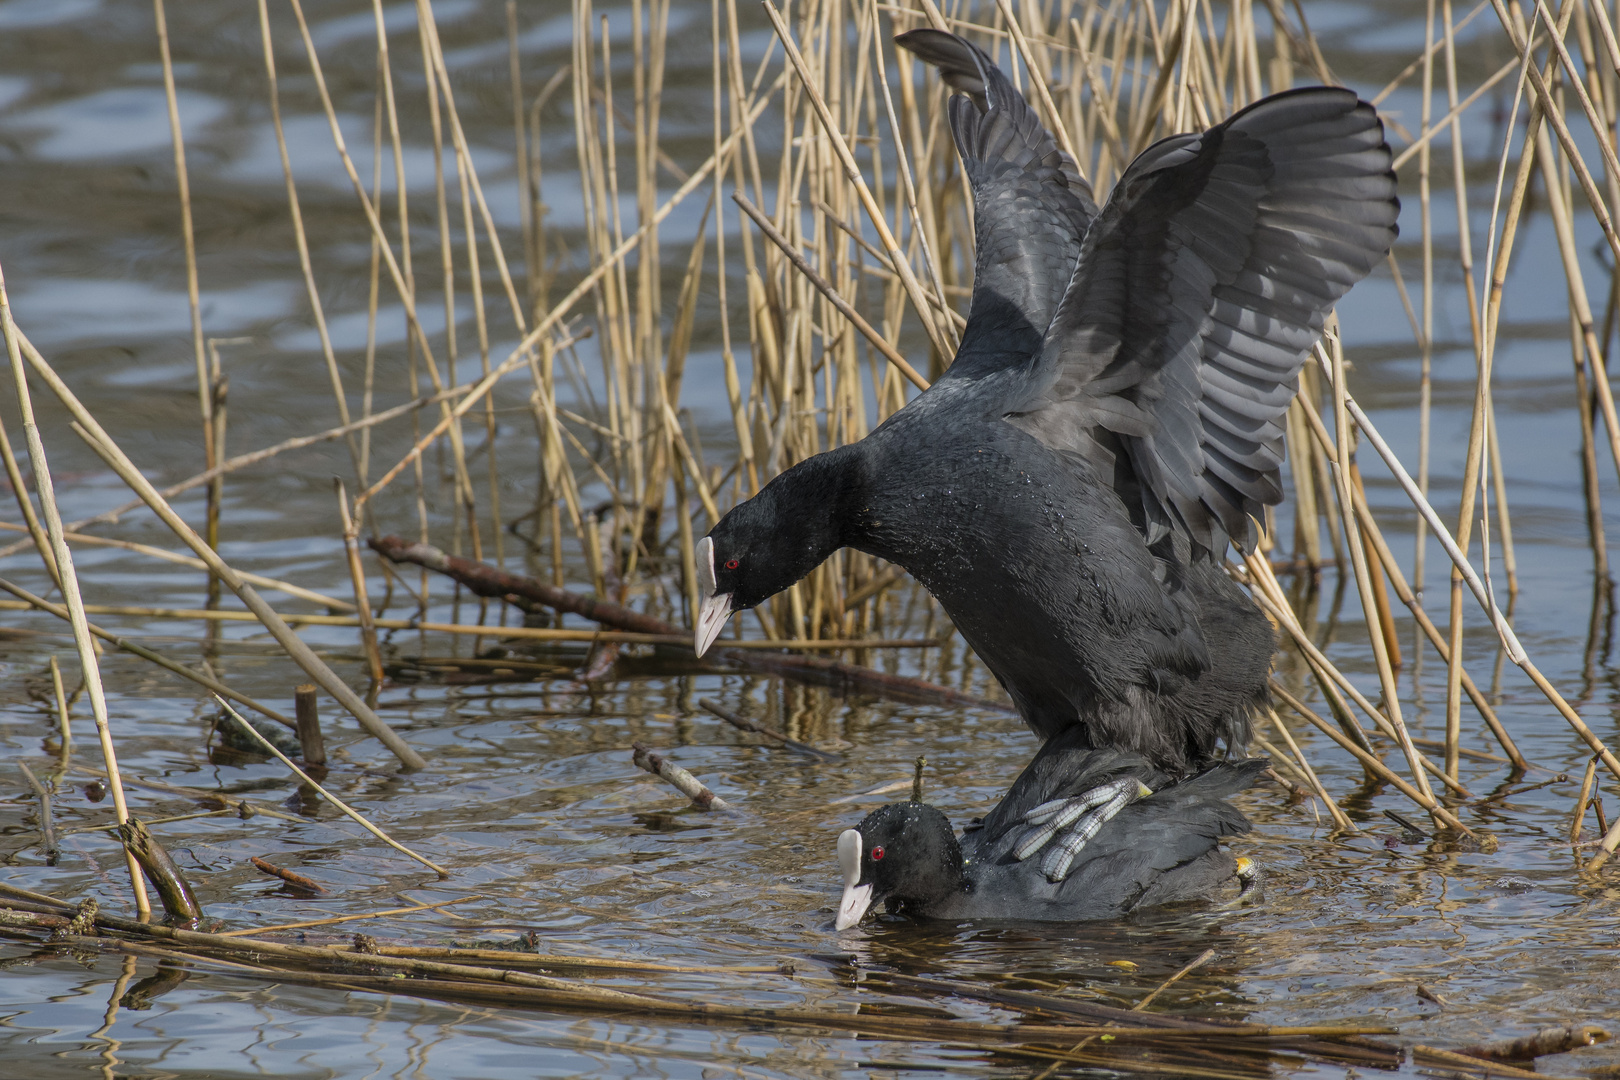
x,y
532,799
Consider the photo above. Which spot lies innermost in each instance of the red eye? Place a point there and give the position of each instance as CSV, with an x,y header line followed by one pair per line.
x,y
877,853
731,564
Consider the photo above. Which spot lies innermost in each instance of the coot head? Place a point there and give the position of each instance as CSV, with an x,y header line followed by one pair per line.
x,y
767,543
903,853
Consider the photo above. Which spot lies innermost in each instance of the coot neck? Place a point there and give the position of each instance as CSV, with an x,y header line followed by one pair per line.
x,y
814,502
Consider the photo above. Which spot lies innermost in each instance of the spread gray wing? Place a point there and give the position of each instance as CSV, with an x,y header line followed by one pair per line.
x,y
1201,287
1031,206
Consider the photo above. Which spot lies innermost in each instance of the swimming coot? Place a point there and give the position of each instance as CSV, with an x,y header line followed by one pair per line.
x,y
1163,847
1112,419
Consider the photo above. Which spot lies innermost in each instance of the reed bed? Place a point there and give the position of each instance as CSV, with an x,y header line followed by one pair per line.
x,y
834,255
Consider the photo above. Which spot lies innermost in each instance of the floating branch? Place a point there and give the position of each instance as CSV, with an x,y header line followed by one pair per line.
x,y
486,580
684,782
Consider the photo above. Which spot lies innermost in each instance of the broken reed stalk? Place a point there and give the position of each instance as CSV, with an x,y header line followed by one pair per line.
x,y
63,558
1197,962
179,902
353,814
679,778
296,880
306,708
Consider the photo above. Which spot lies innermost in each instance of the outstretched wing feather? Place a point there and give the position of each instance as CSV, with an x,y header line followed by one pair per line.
x,y
1031,206
1201,286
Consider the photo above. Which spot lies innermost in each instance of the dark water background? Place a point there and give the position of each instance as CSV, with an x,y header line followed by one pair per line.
x,y
531,797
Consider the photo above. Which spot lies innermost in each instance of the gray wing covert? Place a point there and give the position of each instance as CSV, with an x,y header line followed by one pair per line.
x,y
1201,287
1031,205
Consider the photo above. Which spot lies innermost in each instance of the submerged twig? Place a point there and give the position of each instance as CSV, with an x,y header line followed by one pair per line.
x,y
47,828
297,881
742,723
333,799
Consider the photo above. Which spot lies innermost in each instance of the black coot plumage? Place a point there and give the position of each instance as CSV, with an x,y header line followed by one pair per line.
x,y
1164,848
1112,419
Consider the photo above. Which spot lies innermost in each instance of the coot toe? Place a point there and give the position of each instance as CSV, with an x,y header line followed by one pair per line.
x,y
1069,817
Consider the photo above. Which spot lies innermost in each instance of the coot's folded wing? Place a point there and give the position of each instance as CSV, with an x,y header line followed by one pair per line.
x,y
1031,206
1201,286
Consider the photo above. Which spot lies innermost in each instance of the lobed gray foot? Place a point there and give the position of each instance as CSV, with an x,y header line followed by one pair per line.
x,y
1071,818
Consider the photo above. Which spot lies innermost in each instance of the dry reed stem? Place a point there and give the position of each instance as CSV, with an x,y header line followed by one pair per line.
x,y
824,287
1283,616
1341,820
305,265
1442,816
108,450
1369,606
298,591
1373,534
521,633
1514,650
205,397
353,814
243,461
63,558
902,265
29,600
357,574
63,717
31,525
1578,818
336,919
